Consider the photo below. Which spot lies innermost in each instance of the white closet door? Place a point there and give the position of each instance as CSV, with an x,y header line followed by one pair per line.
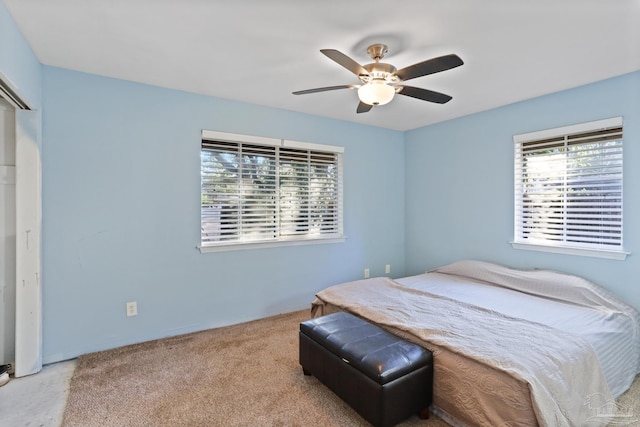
x,y
28,233
7,232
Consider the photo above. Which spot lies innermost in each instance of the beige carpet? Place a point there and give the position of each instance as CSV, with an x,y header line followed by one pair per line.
x,y
241,375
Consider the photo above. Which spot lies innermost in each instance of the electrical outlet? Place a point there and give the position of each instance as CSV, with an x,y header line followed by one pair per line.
x,y
387,269
132,309
366,273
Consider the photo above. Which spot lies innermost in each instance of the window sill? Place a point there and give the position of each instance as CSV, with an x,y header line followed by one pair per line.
x,y
263,245
597,253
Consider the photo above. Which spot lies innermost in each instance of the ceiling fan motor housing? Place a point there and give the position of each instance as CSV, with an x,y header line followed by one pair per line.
x,y
379,71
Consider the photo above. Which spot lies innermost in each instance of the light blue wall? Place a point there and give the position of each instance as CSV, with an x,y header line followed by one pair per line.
x,y
18,65
459,184
121,184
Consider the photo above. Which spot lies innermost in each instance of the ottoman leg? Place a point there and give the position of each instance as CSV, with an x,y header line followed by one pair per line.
x,y
304,371
424,413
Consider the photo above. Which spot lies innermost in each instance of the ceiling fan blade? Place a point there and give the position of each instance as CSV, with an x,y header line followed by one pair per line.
x,y
424,94
430,66
363,108
324,89
345,61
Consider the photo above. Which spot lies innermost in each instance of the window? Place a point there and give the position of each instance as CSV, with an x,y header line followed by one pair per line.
x,y
568,190
259,191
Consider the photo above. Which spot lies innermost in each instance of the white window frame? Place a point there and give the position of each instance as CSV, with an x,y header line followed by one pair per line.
x,y
520,241
305,239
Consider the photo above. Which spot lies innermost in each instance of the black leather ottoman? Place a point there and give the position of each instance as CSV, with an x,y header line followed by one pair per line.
x,y
383,377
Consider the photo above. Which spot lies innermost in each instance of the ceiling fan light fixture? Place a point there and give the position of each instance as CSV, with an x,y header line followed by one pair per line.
x,y
376,92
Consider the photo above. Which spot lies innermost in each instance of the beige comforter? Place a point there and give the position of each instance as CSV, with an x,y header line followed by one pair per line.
x,y
544,367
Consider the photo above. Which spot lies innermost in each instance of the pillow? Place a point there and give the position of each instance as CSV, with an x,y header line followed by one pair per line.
x,y
543,283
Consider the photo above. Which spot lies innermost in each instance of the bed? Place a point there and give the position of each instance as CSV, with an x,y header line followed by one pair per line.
x,y
511,347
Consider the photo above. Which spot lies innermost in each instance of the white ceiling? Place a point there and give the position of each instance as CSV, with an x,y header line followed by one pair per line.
x,y
259,51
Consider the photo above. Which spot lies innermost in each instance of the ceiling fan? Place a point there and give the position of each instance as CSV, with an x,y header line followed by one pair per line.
x,y
380,81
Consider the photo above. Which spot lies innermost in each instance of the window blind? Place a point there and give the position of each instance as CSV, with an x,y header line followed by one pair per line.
x,y
265,193
568,188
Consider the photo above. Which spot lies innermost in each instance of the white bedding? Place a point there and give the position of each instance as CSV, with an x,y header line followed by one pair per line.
x,y
601,329
609,325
